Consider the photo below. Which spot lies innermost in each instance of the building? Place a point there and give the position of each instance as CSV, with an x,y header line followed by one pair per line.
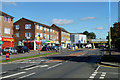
x,y
79,39
6,30
64,36
27,32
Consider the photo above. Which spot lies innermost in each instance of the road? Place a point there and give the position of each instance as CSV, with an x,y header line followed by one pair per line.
x,y
80,64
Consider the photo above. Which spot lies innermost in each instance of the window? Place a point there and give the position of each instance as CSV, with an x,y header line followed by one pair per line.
x,y
28,26
17,26
17,34
47,29
7,30
44,28
40,27
50,30
27,34
37,34
57,37
41,35
7,19
37,26
51,37
47,36
53,30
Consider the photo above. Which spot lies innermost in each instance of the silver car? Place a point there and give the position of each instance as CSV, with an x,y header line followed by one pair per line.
x,y
10,50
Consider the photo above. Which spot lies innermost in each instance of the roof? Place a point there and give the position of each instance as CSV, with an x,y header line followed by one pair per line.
x,y
62,29
2,13
34,22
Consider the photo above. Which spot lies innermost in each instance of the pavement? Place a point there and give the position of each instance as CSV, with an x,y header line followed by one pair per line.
x,y
112,60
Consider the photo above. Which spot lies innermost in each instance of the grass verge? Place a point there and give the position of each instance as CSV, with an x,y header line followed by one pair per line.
x,y
14,59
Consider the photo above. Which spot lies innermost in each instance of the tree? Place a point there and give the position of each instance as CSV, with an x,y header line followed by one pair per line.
x,y
115,34
90,35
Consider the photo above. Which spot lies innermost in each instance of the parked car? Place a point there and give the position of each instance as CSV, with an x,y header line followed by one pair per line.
x,y
11,50
88,46
45,48
22,49
1,51
58,48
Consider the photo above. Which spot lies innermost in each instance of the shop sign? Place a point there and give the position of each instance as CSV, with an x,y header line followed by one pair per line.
x,y
8,39
1,42
51,41
48,41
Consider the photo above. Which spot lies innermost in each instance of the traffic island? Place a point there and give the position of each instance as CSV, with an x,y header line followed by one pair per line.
x,y
110,60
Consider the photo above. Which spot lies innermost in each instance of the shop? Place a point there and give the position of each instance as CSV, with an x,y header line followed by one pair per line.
x,y
7,42
32,44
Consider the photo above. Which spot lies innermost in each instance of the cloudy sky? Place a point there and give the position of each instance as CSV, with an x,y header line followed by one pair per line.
x,y
73,16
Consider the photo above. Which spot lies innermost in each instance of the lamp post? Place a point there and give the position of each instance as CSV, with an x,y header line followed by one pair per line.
x,y
109,31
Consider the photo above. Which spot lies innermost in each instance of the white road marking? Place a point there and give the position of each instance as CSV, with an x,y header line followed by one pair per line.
x,y
54,66
26,66
12,75
44,66
27,75
97,68
3,72
36,67
101,78
31,68
102,75
95,73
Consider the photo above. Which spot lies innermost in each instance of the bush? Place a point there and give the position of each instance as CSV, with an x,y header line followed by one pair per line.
x,y
117,43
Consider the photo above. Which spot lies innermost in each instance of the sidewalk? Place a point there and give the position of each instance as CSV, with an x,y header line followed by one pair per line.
x,y
112,60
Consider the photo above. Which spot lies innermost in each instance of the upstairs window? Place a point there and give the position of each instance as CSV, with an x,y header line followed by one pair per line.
x,y
17,26
7,19
17,34
47,29
27,34
37,26
7,30
44,28
40,27
28,26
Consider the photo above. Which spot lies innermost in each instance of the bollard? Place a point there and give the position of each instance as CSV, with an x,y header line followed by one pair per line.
x,y
7,56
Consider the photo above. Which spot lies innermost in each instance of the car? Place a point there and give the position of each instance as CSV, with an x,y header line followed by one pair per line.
x,y
88,46
22,49
1,51
45,48
10,50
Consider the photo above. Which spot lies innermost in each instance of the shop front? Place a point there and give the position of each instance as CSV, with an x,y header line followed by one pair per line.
x,y
7,42
32,44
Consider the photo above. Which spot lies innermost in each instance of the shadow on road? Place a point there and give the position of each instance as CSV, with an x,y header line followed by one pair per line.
x,y
88,59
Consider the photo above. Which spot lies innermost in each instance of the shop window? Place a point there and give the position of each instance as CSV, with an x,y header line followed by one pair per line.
x,y
27,34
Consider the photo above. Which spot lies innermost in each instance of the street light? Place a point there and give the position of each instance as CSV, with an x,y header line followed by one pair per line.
x,y
109,31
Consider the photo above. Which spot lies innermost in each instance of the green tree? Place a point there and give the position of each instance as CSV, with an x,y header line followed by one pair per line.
x,y
90,35
115,34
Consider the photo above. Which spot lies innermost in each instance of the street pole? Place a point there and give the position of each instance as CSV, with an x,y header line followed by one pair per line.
x,y
109,32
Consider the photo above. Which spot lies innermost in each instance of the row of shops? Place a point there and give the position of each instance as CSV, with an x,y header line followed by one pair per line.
x,y
32,44
6,42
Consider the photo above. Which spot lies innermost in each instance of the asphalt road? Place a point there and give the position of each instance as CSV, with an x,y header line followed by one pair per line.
x,y
64,65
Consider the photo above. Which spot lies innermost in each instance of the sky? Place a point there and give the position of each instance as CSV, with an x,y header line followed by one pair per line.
x,y
75,17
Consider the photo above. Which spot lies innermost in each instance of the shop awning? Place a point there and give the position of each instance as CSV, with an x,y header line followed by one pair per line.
x,y
1,42
48,41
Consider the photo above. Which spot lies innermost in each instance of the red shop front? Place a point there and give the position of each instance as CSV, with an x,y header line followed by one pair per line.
x,y
7,42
